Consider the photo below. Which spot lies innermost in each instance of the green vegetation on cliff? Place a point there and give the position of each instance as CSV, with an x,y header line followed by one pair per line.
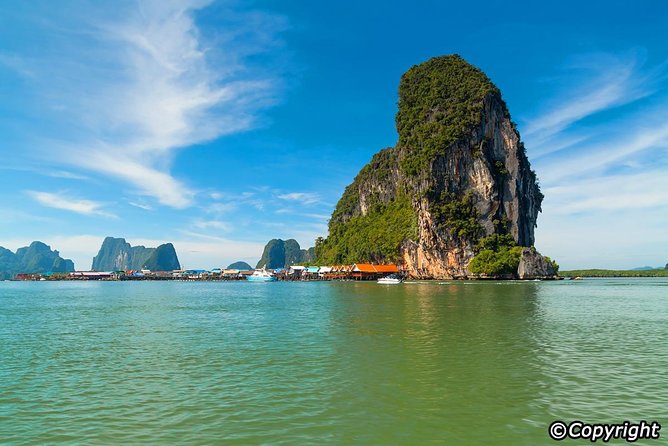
x,y
458,216
440,102
497,255
389,217
381,167
374,237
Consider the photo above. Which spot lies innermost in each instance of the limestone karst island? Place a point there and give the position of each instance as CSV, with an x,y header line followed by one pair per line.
x,y
455,197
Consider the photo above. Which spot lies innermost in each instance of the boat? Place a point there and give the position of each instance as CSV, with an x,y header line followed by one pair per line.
x,y
392,279
261,275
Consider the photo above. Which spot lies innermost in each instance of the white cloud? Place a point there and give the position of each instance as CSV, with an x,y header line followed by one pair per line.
x,y
147,180
137,80
61,201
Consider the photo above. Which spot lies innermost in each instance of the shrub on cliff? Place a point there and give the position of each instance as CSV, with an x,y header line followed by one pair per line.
x,y
496,263
498,255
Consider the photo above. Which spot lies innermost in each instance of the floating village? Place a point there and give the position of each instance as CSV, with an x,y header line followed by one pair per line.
x,y
357,271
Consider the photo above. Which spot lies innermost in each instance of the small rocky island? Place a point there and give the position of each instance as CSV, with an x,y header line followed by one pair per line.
x,y
118,255
455,197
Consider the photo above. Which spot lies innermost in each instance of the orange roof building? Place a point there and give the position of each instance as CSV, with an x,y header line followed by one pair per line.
x,y
372,269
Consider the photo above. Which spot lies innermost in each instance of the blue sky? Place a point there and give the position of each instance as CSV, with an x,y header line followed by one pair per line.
x,y
220,125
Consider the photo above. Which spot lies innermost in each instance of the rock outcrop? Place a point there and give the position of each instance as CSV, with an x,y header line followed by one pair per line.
x,y
38,258
281,253
118,255
458,173
535,266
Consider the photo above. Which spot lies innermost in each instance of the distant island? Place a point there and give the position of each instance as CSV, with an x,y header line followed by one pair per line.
x,y
241,266
116,254
615,273
455,197
281,253
37,258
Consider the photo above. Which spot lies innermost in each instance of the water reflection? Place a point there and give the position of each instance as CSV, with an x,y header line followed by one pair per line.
x,y
448,354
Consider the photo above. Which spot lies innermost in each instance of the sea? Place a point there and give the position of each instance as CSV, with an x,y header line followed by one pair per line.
x,y
333,363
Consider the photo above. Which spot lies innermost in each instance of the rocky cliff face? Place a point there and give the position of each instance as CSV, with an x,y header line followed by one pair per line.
x,y
281,253
458,173
37,258
535,266
118,255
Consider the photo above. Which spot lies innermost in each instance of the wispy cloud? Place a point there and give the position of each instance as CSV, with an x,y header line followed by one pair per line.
x,y
61,201
53,173
67,175
135,85
220,208
302,197
17,64
213,224
143,206
610,148
614,193
13,216
591,84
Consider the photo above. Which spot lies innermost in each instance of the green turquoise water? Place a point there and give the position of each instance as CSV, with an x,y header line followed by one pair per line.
x,y
328,363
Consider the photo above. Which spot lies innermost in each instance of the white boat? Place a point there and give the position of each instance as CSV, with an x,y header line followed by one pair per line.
x,y
392,279
261,275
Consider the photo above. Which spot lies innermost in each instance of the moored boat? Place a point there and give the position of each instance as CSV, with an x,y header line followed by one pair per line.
x,y
261,275
392,279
